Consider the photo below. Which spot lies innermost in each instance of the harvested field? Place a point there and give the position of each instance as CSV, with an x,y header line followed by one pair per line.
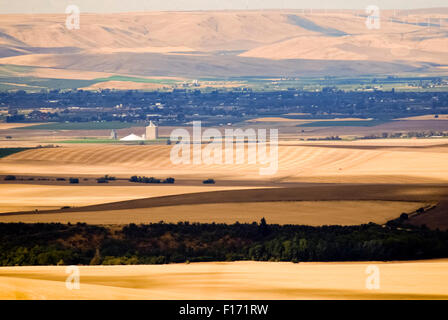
x,y
314,205
384,170
313,213
428,117
236,280
296,163
27,197
7,126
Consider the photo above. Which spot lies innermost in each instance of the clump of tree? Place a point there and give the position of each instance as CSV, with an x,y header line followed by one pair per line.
x,y
330,138
209,181
73,180
143,179
10,178
105,179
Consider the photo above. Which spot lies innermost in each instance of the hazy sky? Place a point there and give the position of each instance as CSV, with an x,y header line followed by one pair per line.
x,y
58,6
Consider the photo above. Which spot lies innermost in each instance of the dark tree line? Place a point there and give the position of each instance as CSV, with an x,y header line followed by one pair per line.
x,y
144,179
51,244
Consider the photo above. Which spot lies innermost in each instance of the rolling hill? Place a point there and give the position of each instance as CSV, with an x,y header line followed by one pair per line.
x,y
349,163
226,43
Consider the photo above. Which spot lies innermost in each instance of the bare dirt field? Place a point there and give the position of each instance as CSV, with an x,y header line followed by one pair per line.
x,y
236,280
282,119
402,126
288,130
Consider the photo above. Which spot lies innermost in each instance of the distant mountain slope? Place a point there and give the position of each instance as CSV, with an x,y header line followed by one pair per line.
x,y
154,64
310,25
230,43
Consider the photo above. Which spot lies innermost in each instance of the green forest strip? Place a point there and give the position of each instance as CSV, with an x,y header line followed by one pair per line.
x,y
59,244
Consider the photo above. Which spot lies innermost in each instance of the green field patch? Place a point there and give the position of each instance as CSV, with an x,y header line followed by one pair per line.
x,y
344,123
109,125
28,83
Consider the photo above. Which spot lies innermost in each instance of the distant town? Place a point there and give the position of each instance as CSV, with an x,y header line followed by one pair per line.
x,y
216,108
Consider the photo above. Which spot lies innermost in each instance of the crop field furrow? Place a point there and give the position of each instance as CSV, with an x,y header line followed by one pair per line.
x,y
289,157
68,155
328,158
91,155
25,155
340,158
299,159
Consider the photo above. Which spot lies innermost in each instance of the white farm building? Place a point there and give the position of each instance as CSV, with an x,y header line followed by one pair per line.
x,y
133,137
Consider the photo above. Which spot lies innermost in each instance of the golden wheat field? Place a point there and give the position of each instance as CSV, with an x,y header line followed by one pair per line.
x,y
189,62
6,126
29,197
235,280
319,204
343,163
314,213
428,117
330,163
359,169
